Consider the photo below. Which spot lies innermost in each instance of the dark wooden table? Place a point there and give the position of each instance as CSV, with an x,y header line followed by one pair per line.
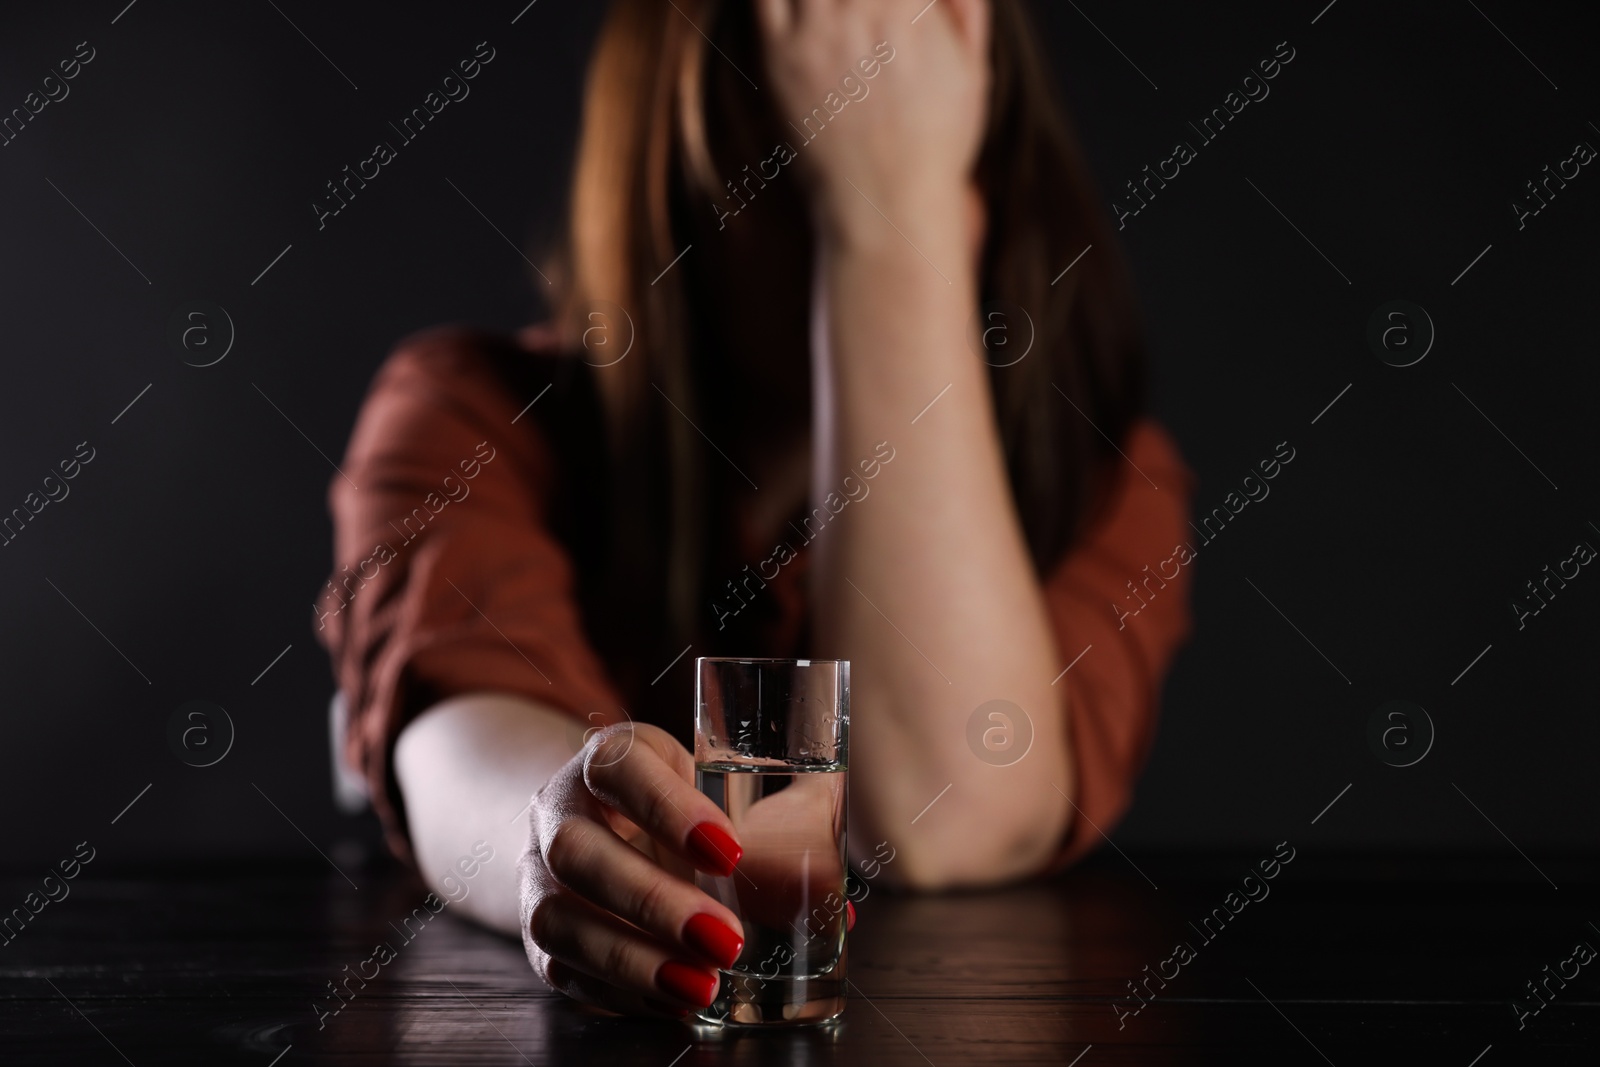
x,y
1342,961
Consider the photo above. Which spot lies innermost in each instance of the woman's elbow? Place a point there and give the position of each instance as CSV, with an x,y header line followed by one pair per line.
x,y
997,856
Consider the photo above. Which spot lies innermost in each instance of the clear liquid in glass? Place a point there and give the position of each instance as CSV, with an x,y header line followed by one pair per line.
x,y
788,890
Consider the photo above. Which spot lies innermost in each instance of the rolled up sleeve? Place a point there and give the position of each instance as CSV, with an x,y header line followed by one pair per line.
x,y
447,576
1119,644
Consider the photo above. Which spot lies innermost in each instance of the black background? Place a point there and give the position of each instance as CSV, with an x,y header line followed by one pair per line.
x,y
196,539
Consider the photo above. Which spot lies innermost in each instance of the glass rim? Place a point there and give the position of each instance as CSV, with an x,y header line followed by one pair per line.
x,y
769,659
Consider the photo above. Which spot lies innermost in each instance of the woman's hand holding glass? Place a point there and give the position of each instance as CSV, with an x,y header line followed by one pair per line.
x,y
610,912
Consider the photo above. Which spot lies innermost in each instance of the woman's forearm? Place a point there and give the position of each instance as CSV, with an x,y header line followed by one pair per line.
x,y
927,585
467,768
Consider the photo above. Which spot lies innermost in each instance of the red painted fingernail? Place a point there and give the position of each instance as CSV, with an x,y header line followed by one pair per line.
x,y
713,849
689,984
713,939
850,911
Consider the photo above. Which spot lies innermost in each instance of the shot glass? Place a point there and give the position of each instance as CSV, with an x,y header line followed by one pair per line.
x,y
771,747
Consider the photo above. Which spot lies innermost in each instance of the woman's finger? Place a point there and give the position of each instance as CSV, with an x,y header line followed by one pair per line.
x,y
973,19
589,859
572,931
814,12
591,990
651,783
774,17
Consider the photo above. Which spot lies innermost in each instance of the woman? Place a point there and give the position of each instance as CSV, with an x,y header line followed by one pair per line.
x,y
828,378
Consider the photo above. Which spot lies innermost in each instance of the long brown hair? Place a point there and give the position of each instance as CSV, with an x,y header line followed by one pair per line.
x,y
671,115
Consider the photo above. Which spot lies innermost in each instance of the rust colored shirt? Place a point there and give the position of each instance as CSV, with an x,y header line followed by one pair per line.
x,y
453,575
